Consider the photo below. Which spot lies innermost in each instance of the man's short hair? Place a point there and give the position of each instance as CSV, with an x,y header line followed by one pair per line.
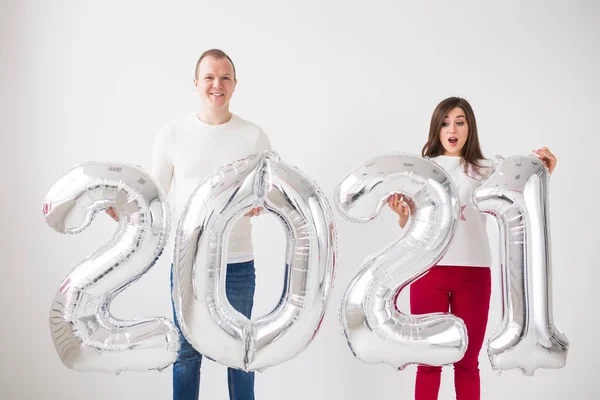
x,y
214,53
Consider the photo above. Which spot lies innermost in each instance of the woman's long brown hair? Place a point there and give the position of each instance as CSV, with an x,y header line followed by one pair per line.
x,y
471,152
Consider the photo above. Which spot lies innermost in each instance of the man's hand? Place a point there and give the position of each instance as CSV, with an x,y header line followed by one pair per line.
x,y
255,212
113,214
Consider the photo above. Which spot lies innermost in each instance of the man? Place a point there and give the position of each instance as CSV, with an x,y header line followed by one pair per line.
x,y
185,152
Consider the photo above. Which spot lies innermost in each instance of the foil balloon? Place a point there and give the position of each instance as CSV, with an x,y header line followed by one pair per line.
x,y
205,317
86,336
376,331
516,195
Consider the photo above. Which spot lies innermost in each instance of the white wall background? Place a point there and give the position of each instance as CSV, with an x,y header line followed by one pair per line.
x,y
333,83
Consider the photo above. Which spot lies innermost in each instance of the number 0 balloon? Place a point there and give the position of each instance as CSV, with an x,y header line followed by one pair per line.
x,y
204,314
85,334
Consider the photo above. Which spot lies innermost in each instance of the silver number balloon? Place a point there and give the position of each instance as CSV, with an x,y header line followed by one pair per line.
x,y
516,195
204,314
86,336
375,330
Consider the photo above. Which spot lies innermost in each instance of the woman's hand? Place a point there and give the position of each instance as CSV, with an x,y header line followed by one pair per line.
x,y
397,204
547,158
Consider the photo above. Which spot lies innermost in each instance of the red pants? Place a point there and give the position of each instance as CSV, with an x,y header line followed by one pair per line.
x,y
465,292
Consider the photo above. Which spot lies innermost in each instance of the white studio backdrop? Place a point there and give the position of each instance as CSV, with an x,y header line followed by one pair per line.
x,y
333,84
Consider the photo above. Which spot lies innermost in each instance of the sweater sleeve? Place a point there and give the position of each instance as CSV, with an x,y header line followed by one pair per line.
x,y
162,169
262,142
488,168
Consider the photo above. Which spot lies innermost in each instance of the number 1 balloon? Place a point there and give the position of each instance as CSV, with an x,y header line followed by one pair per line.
x,y
516,195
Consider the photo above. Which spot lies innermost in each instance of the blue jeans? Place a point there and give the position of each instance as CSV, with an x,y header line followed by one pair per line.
x,y
239,288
